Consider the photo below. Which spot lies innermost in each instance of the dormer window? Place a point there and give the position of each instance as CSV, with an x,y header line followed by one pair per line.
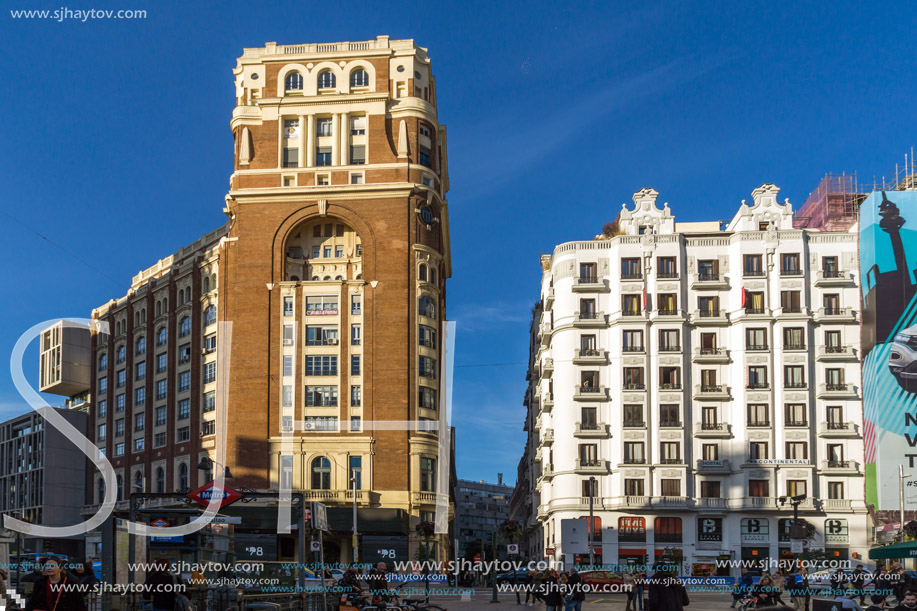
x,y
293,82
359,78
326,80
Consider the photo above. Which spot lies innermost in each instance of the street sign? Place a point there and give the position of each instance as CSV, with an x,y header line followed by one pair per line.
x,y
159,523
316,546
549,551
319,517
228,520
477,557
573,533
796,547
163,523
227,495
512,548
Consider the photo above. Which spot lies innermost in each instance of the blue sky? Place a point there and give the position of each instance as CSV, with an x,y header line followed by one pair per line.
x,y
117,149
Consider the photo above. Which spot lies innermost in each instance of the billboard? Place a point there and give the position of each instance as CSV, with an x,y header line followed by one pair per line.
x,y
888,273
573,535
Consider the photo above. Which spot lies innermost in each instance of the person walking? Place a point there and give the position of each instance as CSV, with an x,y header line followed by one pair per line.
x,y
639,588
575,593
378,581
666,591
52,591
779,587
628,587
160,586
801,593
858,580
742,588
553,598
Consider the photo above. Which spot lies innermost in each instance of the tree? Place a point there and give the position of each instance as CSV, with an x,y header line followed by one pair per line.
x,y
611,229
511,530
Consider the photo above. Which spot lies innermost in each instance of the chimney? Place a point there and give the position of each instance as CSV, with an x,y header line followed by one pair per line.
x,y
499,479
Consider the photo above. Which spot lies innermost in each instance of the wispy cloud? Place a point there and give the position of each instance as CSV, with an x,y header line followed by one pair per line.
x,y
479,317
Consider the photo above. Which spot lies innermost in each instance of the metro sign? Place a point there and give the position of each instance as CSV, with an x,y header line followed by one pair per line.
x,y
159,523
205,493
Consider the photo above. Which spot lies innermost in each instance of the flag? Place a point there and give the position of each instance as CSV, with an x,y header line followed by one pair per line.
x,y
744,296
644,298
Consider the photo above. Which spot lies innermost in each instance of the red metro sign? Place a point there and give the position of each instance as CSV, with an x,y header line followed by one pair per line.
x,y
204,494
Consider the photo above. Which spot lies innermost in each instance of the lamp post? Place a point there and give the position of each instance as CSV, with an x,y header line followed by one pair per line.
x,y
207,463
795,501
493,570
353,483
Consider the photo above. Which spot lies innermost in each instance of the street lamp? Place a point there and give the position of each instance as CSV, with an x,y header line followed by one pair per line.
x,y
795,501
207,463
589,534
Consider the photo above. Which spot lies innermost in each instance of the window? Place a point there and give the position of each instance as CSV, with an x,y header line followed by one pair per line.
x,y
710,451
159,440
355,332
590,488
834,378
287,397
102,431
794,338
633,487
794,376
633,378
587,308
758,414
162,337
184,409
162,362
160,416
119,449
356,471
753,302
356,396
323,128
326,365
287,306
797,450
327,254
710,490
120,354
668,530
753,266
326,80
120,379
321,305
671,487
588,455
321,396
426,215
424,157
789,265
757,377
757,450
139,421
119,427
631,305
427,336
427,307
427,367
835,455
210,316
184,381
710,418
210,401
182,476
356,305
184,354
184,327
756,339
140,370
120,403
184,434
103,408
356,178
210,344
836,490
708,306
427,474
103,362
633,415
795,414
795,487
669,340
354,423
667,267
758,488
668,415
321,336
357,126
630,269
831,304
633,453
833,341
141,346
210,372
708,270
667,304
354,364
322,158
357,154
160,480
671,452
208,427
789,301
139,444
140,396
829,267
426,398
287,366
836,417
708,381
588,419
293,82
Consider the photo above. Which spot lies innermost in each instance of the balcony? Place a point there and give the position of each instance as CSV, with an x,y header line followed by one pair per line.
x,y
590,356
709,317
711,355
547,473
835,315
633,313
711,392
670,386
547,368
839,467
836,353
836,391
549,299
757,348
548,438
838,429
669,348
544,333
790,423
547,403
634,460
589,284
791,272
713,466
671,461
670,424
834,277
633,502
428,498
670,502
337,496
758,386
712,430
759,502
631,276
591,431
836,505
668,313
590,393
795,385
756,313
597,502
709,282
634,386
589,320
758,424
634,424
794,347
754,273
592,466
711,503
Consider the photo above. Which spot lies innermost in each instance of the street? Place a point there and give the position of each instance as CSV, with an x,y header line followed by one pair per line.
x,y
480,601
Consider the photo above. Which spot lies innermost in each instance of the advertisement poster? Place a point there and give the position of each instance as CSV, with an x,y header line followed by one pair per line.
x,y
888,269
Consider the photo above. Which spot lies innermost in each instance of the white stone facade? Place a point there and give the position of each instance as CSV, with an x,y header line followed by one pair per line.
x,y
699,372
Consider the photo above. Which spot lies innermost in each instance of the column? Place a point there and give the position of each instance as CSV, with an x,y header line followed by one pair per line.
x,y
302,141
310,142
345,140
335,139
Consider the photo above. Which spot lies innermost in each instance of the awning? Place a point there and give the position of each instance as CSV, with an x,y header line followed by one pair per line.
x,y
899,550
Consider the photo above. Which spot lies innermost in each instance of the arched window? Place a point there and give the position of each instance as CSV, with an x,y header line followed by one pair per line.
x,y
160,480
120,481
103,362
213,282
338,278
426,215
184,327
427,307
314,278
326,80
433,275
121,354
183,476
210,316
158,308
296,278
162,336
422,273
138,481
181,297
101,490
321,474
141,345
359,78
165,305
136,318
293,82
206,284
188,294
143,315
118,328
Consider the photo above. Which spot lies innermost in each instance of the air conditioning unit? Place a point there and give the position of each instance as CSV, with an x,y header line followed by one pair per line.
x,y
287,342
332,341
308,426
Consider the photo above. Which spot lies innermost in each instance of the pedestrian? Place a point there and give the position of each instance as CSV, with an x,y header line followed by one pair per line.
x,y
160,586
537,582
763,592
802,593
779,587
878,603
553,598
575,593
378,581
639,588
858,579
908,602
742,587
628,587
666,591
52,591
899,582
838,583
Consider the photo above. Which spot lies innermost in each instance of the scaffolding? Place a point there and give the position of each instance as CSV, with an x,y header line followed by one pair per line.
x,y
832,206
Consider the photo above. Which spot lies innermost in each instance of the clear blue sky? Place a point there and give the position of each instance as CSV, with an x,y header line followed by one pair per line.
x,y
116,141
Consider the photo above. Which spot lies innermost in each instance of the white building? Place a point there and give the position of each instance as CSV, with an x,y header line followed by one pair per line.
x,y
701,374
